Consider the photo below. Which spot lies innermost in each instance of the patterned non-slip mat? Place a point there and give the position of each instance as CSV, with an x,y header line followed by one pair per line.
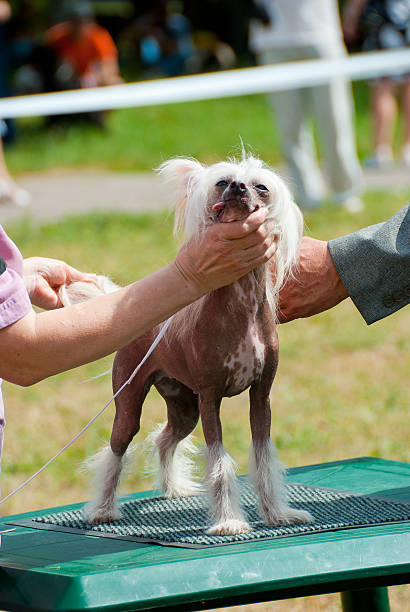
x,y
184,521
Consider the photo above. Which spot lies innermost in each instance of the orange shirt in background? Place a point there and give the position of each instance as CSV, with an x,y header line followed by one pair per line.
x,y
93,45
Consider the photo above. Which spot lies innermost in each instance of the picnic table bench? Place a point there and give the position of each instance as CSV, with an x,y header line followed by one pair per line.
x,y
55,570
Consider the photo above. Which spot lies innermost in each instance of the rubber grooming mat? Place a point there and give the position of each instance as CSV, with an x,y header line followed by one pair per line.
x,y
184,521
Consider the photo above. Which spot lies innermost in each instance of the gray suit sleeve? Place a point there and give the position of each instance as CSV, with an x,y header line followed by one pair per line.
x,y
374,265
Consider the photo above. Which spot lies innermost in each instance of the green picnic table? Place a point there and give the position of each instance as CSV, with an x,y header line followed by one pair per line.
x,y
53,570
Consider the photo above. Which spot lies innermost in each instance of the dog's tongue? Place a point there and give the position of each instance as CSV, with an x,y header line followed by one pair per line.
x,y
218,206
227,214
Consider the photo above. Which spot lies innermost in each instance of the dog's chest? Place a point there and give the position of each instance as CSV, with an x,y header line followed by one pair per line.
x,y
244,362
224,347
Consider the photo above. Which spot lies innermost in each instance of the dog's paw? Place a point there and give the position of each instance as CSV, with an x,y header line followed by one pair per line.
x,y
98,515
288,516
230,527
297,516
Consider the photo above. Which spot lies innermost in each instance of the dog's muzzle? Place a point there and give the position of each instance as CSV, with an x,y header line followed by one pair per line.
x,y
235,204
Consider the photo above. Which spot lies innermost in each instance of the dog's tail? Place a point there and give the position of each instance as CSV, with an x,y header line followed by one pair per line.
x,y
81,291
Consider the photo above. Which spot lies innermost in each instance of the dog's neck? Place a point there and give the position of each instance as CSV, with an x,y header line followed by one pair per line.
x,y
250,290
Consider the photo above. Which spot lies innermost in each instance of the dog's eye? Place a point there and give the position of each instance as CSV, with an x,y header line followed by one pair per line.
x,y
222,183
261,188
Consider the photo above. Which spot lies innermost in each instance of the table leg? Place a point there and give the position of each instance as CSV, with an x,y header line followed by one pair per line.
x,y
366,600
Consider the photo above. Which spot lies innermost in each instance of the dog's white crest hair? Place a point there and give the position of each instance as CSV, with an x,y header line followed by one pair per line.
x,y
193,181
80,291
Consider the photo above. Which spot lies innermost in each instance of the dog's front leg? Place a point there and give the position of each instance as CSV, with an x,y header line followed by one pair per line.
x,y
227,515
266,470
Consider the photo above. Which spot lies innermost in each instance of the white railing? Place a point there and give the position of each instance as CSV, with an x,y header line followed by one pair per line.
x,y
239,82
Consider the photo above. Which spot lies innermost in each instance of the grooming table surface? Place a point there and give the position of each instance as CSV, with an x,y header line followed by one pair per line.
x,y
53,570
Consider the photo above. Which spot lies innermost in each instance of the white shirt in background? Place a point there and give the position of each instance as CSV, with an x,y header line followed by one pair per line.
x,y
297,23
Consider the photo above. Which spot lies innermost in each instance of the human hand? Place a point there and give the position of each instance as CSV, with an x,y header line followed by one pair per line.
x,y
226,251
316,285
43,278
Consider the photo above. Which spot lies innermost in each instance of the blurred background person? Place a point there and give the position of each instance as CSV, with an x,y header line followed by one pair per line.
x,y
86,51
5,14
10,192
383,24
219,32
34,65
81,53
75,52
304,30
162,36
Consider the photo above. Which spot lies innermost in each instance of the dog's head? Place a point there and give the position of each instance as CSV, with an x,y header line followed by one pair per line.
x,y
230,191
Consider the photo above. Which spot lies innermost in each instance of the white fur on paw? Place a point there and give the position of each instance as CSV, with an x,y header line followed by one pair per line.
x,y
230,527
289,516
97,515
187,488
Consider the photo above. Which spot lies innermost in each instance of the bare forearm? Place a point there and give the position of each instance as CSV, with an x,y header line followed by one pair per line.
x,y
40,345
352,12
355,7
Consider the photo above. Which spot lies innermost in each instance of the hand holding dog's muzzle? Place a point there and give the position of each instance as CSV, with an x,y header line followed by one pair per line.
x,y
224,252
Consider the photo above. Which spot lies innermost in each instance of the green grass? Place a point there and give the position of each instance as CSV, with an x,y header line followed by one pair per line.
x,y
140,138
341,390
122,246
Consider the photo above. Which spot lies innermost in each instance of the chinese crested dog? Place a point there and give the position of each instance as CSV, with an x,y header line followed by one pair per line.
x,y
224,343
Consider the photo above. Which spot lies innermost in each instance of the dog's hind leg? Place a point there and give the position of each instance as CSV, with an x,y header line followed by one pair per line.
x,y
227,515
267,472
172,442
109,463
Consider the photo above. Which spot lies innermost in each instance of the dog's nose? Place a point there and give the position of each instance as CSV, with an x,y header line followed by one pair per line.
x,y
238,187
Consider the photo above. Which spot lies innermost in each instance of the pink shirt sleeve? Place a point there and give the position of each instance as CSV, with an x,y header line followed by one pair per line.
x,y
10,253
14,299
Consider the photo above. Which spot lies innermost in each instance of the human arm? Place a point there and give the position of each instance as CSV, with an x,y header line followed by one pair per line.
x,y
110,73
352,12
105,69
9,190
100,73
5,11
42,344
372,266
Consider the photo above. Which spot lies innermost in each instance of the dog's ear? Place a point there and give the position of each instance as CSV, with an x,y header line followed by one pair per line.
x,y
289,219
184,175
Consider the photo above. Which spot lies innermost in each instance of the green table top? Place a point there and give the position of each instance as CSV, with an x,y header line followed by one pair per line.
x,y
47,570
